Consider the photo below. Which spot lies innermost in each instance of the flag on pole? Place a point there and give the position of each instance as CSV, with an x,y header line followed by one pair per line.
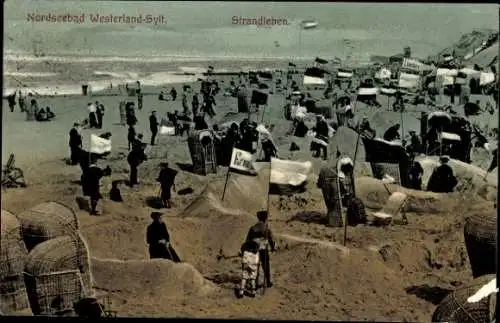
x,y
167,131
288,177
320,60
99,145
242,162
290,64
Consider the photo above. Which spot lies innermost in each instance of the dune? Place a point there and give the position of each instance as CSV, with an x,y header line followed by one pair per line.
x,y
149,278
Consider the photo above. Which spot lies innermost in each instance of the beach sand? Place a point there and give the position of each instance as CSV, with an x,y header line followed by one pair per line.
x,y
313,280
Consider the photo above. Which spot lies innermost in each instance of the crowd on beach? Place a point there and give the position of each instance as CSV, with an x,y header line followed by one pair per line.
x,y
199,109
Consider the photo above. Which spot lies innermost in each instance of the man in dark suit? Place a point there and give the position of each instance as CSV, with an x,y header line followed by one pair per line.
x,y
153,126
75,143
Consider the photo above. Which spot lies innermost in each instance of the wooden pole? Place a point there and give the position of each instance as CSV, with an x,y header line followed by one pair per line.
x,y
225,183
353,182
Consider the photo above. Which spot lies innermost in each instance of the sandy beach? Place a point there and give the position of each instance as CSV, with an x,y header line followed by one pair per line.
x,y
394,273
328,285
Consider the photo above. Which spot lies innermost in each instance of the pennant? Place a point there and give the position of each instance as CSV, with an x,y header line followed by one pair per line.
x,y
388,91
368,91
315,72
242,161
288,177
320,61
99,145
309,80
291,64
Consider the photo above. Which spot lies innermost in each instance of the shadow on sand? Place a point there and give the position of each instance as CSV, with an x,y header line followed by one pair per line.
x,y
154,202
309,217
185,167
428,293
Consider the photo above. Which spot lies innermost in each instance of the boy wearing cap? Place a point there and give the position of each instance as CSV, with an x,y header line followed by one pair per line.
x,y
263,236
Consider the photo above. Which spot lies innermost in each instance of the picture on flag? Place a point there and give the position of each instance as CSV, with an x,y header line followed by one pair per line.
x,y
288,177
242,161
99,145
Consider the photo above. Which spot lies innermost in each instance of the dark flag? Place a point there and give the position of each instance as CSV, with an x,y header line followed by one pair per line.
x,y
315,72
259,98
320,61
290,64
266,75
379,151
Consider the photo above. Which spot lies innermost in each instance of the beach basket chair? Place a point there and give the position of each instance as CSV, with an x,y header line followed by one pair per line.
x,y
12,176
202,149
480,233
457,308
13,253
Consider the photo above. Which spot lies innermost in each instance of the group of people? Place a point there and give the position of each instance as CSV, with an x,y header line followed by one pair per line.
x,y
96,114
33,111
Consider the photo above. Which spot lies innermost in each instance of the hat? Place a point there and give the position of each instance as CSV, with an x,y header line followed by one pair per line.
x,y
76,124
444,159
163,164
156,215
262,215
154,111
411,131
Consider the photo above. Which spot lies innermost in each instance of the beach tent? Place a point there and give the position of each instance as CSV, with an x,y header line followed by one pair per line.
x,y
344,73
446,72
415,65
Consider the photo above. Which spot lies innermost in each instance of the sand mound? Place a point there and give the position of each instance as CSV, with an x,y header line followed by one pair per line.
x,y
326,275
244,194
470,178
375,194
149,278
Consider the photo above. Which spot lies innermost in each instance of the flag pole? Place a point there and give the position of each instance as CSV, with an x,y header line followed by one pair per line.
x,y
353,181
227,175
225,183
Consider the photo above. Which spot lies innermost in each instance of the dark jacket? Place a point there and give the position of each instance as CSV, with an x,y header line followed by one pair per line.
x,y
442,180
153,123
131,134
90,180
156,232
167,177
75,139
262,234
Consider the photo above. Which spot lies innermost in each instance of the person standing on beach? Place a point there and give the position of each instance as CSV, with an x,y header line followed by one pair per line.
x,y
195,104
263,236
123,113
22,102
99,114
91,185
75,143
11,99
153,126
185,105
166,178
131,137
92,115
135,158
173,94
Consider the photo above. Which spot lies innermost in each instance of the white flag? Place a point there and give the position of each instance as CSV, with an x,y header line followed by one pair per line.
x,y
168,131
242,160
287,172
99,145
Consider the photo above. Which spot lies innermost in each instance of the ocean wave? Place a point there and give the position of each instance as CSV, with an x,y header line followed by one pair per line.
x,y
118,75
14,57
155,79
30,74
